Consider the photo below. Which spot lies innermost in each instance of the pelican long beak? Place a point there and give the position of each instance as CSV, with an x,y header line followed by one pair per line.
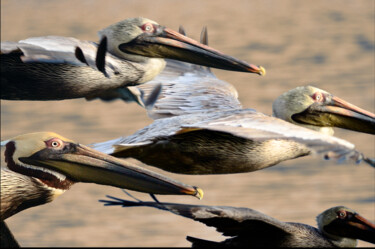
x,y
337,112
356,227
363,229
83,164
167,43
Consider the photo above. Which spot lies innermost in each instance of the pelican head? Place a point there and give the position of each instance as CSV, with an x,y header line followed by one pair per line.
x,y
319,110
137,38
344,226
58,162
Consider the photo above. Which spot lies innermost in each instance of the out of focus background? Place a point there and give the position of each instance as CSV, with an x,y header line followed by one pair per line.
x,y
328,44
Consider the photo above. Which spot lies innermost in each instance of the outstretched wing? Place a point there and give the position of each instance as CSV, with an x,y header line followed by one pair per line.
x,y
54,68
193,99
61,50
243,123
230,221
189,89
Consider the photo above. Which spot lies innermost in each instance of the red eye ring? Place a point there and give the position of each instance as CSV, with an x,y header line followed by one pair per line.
x,y
54,143
318,97
341,214
148,27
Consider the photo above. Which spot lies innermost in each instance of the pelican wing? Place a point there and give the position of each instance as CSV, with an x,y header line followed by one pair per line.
x,y
230,221
256,126
188,89
59,50
46,49
244,123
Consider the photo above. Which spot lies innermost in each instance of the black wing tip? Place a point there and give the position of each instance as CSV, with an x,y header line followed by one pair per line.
x,y
80,56
204,36
370,161
153,97
100,56
204,40
196,242
119,202
181,30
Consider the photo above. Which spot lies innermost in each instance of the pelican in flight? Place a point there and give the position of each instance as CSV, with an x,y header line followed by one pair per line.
x,y
337,226
200,126
40,166
56,68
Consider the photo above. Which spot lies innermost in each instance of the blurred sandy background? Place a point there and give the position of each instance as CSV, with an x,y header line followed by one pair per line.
x,y
329,44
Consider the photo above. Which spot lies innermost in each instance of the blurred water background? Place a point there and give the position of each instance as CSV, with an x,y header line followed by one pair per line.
x,y
328,44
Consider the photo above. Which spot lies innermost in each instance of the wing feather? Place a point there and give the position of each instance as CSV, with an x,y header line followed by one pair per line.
x,y
61,50
188,89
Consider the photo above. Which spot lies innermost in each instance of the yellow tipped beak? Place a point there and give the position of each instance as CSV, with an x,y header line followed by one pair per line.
x,y
83,164
262,71
199,194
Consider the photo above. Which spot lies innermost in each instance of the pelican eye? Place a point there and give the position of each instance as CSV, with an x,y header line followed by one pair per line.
x,y
341,214
148,27
54,143
318,97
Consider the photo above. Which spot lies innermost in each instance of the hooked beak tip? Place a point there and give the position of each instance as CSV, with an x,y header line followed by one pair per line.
x,y
262,71
198,193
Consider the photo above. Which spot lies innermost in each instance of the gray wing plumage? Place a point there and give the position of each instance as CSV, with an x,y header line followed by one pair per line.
x,y
244,224
47,49
55,68
230,221
243,123
193,99
59,50
189,89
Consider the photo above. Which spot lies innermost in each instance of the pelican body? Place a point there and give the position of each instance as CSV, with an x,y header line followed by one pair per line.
x,y
337,226
56,68
215,143
41,166
200,127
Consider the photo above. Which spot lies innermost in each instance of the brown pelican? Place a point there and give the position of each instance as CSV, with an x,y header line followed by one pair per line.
x,y
200,127
56,68
337,226
41,166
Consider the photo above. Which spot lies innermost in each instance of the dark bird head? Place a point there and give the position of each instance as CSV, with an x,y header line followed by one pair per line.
x,y
137,38
319,110
58,162
344,226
